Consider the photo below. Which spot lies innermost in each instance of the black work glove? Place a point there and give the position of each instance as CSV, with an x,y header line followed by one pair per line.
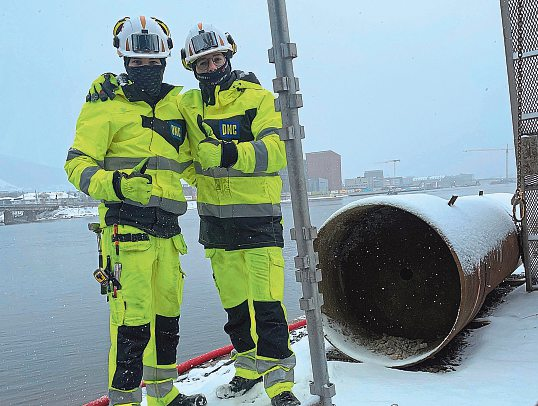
x,y
103,88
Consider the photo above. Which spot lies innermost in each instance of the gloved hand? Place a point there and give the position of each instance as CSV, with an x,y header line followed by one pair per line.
x,y
135,186
103,88
213,152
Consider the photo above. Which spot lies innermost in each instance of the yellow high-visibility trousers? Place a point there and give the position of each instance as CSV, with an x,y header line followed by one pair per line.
x,y
251,288
144,316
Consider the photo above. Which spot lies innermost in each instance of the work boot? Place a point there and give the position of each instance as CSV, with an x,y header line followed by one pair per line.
x,y
237,387
285,399
189,400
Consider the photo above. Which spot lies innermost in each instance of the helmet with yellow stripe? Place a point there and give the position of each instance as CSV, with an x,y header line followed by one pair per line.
x,y
142,37
205,39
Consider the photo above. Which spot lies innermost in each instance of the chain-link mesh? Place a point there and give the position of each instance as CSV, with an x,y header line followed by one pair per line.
x,y
529,97
523,83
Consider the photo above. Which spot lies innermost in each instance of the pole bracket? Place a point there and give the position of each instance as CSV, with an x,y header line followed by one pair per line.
x,y
288,133
307,275
308,233
327,391
282,84
304,262
308,304
293,101
288,51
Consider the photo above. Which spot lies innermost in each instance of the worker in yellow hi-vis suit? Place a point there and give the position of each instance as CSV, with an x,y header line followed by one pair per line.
x,y
130,153
233,133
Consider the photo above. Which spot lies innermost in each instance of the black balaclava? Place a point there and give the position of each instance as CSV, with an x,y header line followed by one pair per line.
x,y
209,80
148,79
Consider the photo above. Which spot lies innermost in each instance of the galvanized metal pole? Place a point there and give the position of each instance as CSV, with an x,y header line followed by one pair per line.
x,y
288,103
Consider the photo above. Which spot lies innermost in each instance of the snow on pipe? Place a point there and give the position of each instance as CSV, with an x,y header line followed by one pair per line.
x,y
402,275
197,361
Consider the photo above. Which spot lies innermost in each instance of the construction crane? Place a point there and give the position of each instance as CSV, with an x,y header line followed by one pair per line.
x,y
393,161
495,149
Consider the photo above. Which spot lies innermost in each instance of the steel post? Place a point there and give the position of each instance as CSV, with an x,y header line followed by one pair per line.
x,y
288,103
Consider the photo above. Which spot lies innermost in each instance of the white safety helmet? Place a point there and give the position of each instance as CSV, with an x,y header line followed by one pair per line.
x,y
205,39
142,37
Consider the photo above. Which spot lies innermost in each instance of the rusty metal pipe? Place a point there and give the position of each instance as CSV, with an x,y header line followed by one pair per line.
x,y
402,275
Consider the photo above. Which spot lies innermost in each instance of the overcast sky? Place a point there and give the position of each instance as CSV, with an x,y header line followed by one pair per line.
x,y
418,81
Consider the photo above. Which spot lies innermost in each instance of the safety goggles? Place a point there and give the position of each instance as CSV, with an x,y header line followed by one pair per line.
x,y
145,43
204,41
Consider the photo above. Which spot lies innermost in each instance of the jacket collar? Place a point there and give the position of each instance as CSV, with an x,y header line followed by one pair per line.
x,y
133,94
228,92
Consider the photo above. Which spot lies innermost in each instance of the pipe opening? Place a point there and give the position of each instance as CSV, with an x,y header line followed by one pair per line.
x,y
390,283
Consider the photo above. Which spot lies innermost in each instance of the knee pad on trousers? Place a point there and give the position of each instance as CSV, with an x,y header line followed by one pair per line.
x,y
238,327
272,330
131,342
166,339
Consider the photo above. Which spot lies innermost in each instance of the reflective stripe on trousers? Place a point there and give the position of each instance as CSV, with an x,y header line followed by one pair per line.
x,y
278,374
159,381
116,397
160,389
245,361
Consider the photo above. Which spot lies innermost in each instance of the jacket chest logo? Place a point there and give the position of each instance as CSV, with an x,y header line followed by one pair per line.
x,y
173,131
176,130
229,130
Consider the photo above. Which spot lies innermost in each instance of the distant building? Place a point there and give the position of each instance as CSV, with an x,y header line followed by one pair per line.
x,y
358,183
375,179
325,165
318,185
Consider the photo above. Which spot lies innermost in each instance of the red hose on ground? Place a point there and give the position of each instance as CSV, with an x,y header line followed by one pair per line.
x,y
197,361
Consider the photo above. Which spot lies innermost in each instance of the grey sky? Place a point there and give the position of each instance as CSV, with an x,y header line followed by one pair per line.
x,y
418,81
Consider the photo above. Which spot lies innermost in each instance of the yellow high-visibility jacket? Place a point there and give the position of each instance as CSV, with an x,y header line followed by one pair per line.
x,y
117,135
246,195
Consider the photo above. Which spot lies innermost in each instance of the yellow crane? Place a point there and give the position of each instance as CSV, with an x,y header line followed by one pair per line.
x,y
393,161
495,149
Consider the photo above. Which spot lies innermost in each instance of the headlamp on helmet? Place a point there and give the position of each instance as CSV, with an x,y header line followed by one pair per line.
x,y
142,37
205,39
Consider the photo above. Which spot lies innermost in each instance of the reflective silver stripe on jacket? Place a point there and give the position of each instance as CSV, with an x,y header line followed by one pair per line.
x,y
229,172
86,177
239,210
117,397
267,131
169,205
159,390
280,370
154,163
262,156
75,153
159,374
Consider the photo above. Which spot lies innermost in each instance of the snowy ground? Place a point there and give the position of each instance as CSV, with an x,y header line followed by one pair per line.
x,y
497,367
